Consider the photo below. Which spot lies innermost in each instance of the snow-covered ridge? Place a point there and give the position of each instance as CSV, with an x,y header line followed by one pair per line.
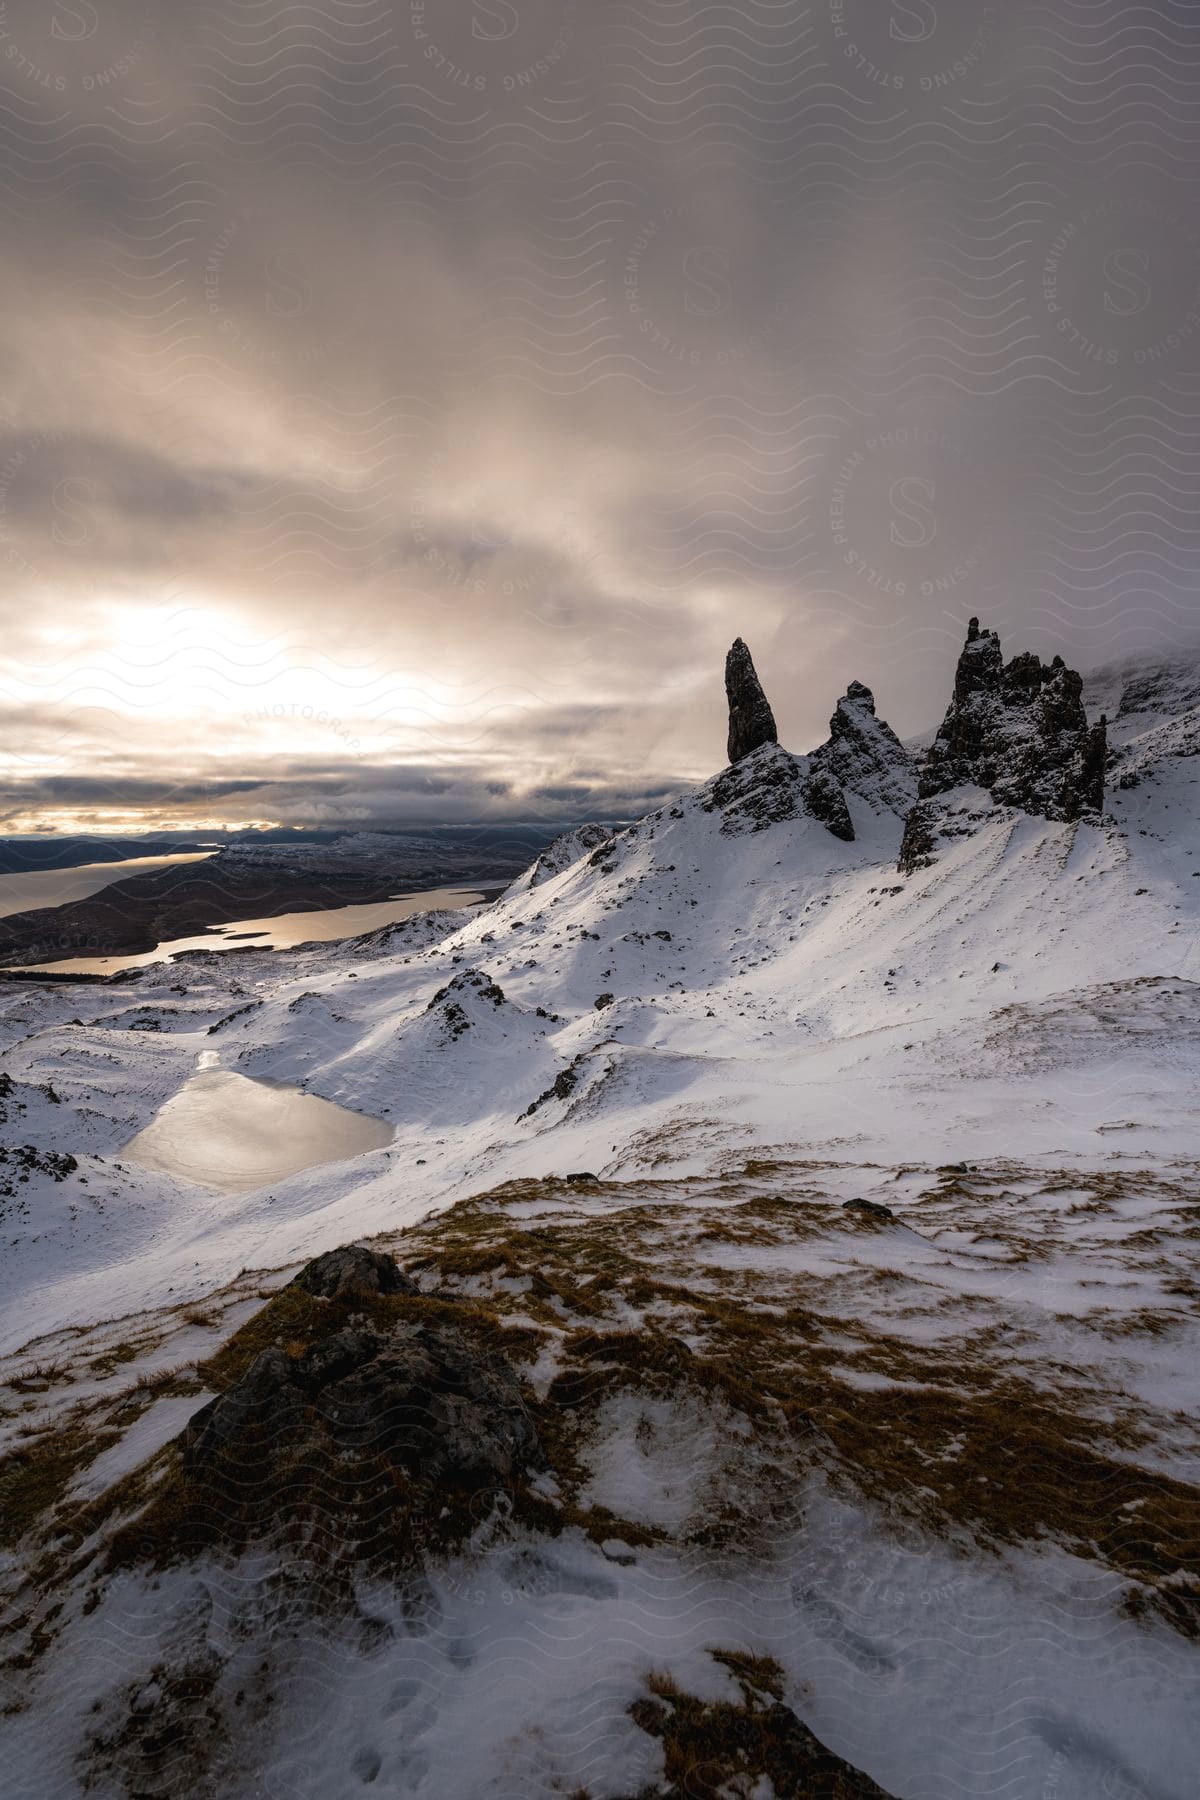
x,y
662,962
745,1148
1153,712
864,754
560,854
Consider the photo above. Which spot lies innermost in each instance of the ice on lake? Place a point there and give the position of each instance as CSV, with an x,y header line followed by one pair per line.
x,y
230,1132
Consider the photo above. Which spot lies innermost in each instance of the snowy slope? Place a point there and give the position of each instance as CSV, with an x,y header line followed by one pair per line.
x,y
725,1021
724,973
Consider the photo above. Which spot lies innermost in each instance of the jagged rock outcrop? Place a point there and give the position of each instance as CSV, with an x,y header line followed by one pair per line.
x,y
826,802
751,721
765,784
765,787
1018,730
864,754
465,999
920,841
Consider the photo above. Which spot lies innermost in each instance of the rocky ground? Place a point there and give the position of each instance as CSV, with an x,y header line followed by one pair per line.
x,y
757,1462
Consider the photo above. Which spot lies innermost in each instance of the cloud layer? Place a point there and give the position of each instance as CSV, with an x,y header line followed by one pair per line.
x,y
408,402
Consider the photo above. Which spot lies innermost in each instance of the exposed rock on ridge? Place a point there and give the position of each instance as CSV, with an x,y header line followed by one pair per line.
x,y
826,802
465,1000
560,854
766,784
352,1271
864,754
751,721
420,1398
1018,730
769,786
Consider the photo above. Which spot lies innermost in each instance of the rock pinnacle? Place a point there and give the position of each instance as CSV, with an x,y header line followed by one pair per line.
x,y
751,721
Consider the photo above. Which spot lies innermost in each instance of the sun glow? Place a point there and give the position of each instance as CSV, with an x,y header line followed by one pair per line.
x,y
123,822
182,649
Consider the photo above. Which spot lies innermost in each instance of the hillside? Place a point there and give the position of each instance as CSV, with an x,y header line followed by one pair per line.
x,y
833,1227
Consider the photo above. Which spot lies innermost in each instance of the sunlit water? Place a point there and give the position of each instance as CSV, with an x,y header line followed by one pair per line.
x,y
58,887
281,933
229,1132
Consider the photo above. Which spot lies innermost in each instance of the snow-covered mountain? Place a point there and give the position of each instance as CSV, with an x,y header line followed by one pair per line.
x,y
662,1063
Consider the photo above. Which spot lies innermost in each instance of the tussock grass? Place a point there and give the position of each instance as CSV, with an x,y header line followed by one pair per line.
x,y
713,1749
35,1477
962,1439
958,1426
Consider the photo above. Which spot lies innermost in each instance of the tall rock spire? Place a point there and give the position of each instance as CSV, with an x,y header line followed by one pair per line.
x,y
751,721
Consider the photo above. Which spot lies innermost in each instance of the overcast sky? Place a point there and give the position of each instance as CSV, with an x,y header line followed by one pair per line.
x,y
407,401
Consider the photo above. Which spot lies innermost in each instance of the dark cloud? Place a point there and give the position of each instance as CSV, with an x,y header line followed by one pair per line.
x,y
318,792
438,389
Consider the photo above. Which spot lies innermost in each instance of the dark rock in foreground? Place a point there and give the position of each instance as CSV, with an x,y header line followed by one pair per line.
x,y
360,1422
751,721
366,1384
420,1401
363,1430
352,1270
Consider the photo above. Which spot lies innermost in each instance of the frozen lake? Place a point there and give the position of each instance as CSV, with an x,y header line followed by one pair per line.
x,y
227,1131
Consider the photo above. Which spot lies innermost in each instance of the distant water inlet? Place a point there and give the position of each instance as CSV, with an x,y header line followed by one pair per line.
x,y
282,931
227,1131
58,887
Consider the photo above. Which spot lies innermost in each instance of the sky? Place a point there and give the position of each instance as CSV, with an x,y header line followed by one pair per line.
x,y
406,402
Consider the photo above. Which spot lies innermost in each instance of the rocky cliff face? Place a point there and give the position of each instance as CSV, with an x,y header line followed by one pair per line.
x,y
1018,730
751,721
765,784
769,786
864,754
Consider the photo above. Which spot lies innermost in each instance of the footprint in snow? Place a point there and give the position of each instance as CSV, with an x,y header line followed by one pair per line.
x,y
1101,1773
828,1623
366,1765
529,1573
